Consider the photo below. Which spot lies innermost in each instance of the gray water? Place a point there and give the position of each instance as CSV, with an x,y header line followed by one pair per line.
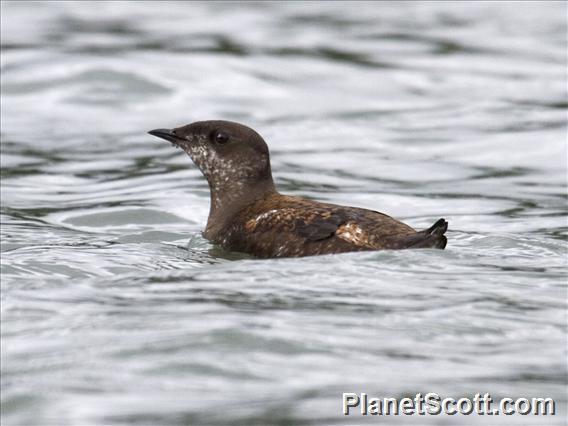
x,y
115,310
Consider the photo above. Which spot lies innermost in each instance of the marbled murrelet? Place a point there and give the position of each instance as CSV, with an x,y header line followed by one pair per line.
x,y
249,215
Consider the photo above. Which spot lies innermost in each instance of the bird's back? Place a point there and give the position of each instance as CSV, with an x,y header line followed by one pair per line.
x,y
284,226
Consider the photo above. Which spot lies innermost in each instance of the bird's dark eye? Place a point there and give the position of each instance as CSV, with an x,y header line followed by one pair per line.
x,y
221,137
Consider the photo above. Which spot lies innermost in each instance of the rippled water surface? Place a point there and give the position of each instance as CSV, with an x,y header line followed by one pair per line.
x,y
115,310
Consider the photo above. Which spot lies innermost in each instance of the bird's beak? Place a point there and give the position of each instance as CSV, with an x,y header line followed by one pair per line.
x,y
167,134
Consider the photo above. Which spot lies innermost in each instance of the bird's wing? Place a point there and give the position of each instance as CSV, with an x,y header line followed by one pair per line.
x,y
293,231
314,225
318,226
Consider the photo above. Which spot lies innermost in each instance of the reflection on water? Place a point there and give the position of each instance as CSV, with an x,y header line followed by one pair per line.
x,y
116,311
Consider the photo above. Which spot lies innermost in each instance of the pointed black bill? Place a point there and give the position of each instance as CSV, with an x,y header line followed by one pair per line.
x,y
167,134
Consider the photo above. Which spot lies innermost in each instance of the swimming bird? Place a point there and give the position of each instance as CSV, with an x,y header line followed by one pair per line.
x,y
247,214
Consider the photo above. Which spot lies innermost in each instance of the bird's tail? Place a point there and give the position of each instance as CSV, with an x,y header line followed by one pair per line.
x,y
432,237
439,228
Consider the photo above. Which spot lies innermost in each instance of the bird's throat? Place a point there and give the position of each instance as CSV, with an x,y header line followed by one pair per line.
x,y
228,200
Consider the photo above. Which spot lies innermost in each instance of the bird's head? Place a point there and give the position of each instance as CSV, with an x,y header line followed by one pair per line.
x,y
231,156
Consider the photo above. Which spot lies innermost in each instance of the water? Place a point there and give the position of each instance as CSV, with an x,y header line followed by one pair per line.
x,y
116,311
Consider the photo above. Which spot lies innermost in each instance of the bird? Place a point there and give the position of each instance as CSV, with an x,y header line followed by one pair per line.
x,y
247,214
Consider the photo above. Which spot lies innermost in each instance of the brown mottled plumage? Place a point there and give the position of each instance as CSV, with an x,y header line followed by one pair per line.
x,y
248,214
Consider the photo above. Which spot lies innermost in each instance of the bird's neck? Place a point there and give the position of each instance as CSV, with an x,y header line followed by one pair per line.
x,y
228,200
